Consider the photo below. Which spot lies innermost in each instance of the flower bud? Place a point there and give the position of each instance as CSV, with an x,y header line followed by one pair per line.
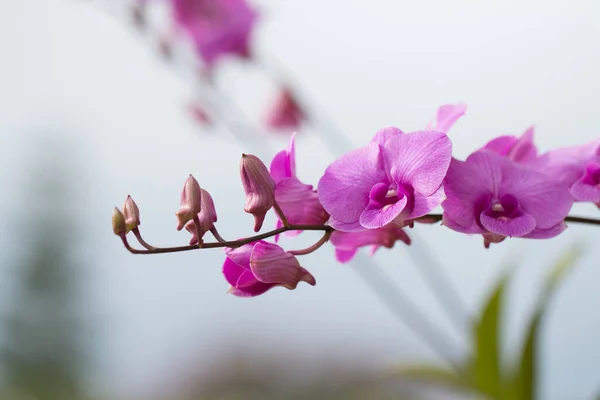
x,y
190,204
118,223
131,213
257,267
259,187
207,218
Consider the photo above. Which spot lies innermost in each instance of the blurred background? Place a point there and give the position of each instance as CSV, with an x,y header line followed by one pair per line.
x,y
90,111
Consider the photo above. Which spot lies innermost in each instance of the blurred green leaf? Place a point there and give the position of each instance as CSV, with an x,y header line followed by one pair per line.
x,y
433,374
525,379
486,371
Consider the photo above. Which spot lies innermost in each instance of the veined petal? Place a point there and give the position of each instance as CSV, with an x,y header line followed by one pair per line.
x,y
240,255
344,256
523,150
468,184
501,145
517,226
345,226
384,134
299,202
424,204
283,164
539,233
271,264
587,188
375,216
583,191
548,201
419,159
344,188
447,115
472,227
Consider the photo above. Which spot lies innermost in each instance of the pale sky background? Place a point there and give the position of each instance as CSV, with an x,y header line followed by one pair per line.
x,y
71,71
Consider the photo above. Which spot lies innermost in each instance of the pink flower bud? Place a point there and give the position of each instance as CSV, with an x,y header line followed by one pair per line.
x,y
131,213
207,218
191,200
257,267
118,223
286,112
259,187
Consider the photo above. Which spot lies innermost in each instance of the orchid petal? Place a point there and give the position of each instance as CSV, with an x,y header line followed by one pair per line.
x,y
344,188
419,159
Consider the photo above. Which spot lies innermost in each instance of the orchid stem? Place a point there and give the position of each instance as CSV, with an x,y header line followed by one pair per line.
x,y
139,238
215,233
281,215
314,247
232,243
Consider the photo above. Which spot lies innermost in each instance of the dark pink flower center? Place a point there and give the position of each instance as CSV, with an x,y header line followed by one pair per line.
x,y
592,174
507,207
385,195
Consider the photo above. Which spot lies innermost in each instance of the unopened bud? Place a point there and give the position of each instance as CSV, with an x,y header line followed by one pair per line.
x,y
118,223
190,204
131,213
207,218
259,187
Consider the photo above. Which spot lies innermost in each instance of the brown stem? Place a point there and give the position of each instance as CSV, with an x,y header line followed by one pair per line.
x,y
325,228
215,233
232,243
281,215
139,238
314,247
578,220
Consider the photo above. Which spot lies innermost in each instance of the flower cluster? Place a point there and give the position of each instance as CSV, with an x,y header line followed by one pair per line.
x,y
218,30
368,197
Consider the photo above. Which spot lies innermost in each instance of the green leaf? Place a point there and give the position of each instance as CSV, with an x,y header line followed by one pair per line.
x,y
486,371
434,375
525,379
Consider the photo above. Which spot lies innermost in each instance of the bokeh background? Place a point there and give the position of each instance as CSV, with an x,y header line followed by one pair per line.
x,y
90,112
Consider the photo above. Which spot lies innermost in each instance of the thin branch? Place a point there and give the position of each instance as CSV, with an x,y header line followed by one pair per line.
x,y
281,215
231,243
314,247
577,220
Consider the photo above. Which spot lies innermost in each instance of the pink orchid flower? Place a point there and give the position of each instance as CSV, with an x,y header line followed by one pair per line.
x,y
494,196
216,27
298,201
257,267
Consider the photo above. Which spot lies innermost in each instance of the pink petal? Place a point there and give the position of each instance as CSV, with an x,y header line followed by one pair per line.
x,y
472,227
299,202
539,233
344,256
374,216
423,205
524,150
271,264
501,145
587,188
344,188
419,159
469,183
384,134
283,164
539,195
345,226
517,226
232,271
582,191
447,115
240,255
